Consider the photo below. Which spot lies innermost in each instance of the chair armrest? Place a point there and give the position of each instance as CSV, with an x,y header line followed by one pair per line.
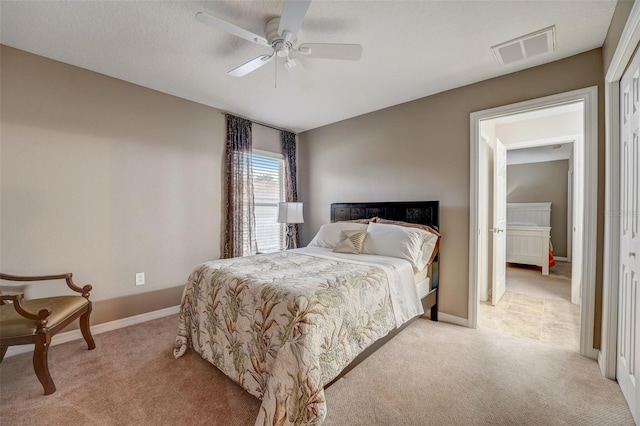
x,y
40,317
67,277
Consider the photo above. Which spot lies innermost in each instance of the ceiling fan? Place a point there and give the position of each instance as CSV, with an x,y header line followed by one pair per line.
x,y
281,35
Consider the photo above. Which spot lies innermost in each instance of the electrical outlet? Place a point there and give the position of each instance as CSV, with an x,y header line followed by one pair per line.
x,y
140,278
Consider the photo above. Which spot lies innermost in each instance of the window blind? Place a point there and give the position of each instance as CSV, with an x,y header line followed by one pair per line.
x,y
268,191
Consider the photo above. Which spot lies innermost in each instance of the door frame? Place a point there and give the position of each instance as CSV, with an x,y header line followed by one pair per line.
x,y
627,44
589,96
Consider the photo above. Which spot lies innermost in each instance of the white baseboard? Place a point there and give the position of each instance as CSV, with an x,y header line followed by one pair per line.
x,y
601,364
452,319
593,353
560,258
69,336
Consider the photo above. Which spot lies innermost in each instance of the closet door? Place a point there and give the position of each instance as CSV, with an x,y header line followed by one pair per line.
x,y
628,316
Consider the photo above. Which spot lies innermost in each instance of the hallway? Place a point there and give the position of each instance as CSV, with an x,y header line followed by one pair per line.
x,y
536,307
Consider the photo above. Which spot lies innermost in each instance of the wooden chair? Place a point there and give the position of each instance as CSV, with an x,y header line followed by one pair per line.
x,y
38,320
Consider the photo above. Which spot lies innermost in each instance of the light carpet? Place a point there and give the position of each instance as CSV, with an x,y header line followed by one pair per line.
x,y
430,374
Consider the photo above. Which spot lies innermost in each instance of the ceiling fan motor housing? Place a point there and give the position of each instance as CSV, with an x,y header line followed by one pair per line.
x,y
281,43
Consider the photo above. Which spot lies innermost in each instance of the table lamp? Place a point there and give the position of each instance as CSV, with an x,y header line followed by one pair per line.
x,y
290,213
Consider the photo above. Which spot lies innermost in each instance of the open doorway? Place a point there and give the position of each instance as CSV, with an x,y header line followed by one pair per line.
x,y
583,215
536,300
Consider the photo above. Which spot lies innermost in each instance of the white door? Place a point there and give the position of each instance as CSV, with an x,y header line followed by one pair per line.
x,y
570,209
577,240
499,222
628,318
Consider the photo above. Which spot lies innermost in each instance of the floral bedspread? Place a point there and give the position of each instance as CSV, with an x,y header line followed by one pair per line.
x,y
283,325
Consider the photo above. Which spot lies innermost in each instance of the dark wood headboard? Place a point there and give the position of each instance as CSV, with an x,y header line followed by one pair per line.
x,y
422,212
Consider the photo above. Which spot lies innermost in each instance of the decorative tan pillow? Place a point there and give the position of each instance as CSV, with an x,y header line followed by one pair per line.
x,y
330,234
352,243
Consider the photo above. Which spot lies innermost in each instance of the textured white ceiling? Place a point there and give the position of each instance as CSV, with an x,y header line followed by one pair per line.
x,y
540,154
412,49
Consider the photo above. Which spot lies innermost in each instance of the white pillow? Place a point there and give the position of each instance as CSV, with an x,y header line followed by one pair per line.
x,y
330,234
412,244
429,246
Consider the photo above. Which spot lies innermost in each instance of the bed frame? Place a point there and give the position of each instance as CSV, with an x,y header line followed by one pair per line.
x,y
528,234
529,245
421,212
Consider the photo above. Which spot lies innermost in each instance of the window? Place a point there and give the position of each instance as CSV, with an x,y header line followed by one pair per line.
x,y
268,191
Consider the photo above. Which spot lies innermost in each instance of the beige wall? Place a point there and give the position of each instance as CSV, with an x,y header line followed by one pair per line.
x,y
539,183
266,139
420,151
618,21
104,179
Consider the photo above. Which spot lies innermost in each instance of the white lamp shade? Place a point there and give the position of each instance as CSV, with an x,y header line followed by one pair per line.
x,y
290,212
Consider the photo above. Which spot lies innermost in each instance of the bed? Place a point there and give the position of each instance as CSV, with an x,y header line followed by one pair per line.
x,y
528,234
285,337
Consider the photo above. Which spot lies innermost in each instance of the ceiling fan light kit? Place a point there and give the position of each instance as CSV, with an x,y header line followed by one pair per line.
x,y
281,35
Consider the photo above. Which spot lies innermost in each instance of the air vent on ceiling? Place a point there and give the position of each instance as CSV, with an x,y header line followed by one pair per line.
x,y
524,47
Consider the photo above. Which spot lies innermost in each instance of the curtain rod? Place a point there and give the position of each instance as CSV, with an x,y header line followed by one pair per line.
x,y
258,123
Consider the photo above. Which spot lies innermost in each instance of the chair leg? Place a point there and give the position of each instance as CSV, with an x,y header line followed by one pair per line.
x,y
41,363
85,328
3,351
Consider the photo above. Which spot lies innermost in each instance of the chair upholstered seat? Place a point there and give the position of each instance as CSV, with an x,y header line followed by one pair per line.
x,y
62,307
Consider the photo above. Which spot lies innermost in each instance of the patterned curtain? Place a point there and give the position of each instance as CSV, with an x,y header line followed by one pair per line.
x,y
239,229
290,173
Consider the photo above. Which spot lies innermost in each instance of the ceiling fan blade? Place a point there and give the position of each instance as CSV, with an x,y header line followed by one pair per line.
x,y
214,22
250,66
293,12
351,52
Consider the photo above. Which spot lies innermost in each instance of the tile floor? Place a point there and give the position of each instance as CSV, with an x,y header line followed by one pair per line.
x,y
544,313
